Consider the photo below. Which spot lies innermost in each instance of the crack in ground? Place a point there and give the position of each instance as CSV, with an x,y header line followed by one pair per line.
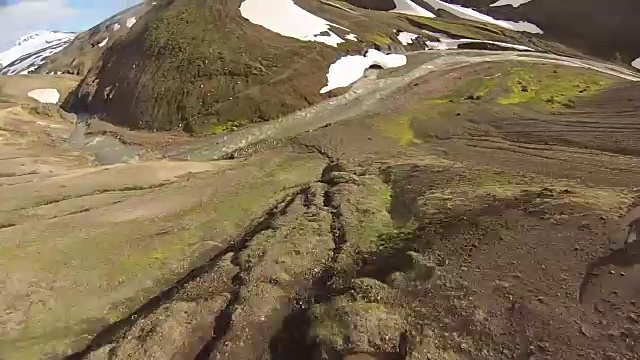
x,y
116,331
224,319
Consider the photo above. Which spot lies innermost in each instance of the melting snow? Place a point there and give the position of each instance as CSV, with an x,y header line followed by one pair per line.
x,y
406,38
288,19
410,8
45,96
514,3
131,21
116,27
103,42
446,44
470,14
636,63
351,37
348,69
524,26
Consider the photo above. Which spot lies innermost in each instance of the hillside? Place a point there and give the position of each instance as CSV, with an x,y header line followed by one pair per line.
x,y
599,28
204,66
87,48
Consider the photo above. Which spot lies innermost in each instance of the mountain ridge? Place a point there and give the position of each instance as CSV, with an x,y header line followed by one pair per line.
x,y
30,50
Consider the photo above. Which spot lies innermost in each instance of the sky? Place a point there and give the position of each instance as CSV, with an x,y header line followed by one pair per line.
x,y
20,17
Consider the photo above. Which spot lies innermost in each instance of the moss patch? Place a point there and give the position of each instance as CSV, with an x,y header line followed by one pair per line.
x,y
378,38
345,325
556,87
400,129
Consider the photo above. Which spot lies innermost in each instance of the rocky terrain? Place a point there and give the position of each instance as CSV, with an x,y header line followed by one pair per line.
x,y
460,200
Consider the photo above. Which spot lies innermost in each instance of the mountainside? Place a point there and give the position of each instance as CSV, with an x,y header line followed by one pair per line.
x,y
205,66
605,29
31,50
87,48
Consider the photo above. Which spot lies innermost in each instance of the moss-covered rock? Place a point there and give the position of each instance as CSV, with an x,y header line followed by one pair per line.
x,y
345,326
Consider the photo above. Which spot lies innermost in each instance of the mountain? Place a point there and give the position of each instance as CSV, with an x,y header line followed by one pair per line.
x,y
87,48
203,66
31,50
606,30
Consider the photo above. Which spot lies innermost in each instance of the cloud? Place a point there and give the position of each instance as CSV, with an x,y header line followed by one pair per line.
x,y
26,16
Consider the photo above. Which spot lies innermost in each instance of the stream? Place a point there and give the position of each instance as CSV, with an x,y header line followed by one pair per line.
x,y
106,150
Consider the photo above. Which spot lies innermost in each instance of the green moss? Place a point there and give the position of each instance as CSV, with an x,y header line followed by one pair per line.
x,y
555,87
378,38
335,324
219,128
400,129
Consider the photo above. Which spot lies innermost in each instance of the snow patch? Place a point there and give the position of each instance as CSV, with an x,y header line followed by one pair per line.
x,y
45,96
348,69
131,21
406,38
116,27
410,8
524,26
447,44
470,14
351,37
103,42
514,3
636,63
288,19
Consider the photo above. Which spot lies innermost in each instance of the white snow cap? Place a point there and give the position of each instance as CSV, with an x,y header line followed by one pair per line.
x,y
636,63
348,69
131,21
116,27
288,19
30,50
410,8
45,96
406,38
103,42
514,3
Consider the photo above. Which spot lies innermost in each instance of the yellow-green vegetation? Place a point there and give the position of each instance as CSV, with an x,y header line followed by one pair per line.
x,y
378,38
219,128
554,86
399,128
